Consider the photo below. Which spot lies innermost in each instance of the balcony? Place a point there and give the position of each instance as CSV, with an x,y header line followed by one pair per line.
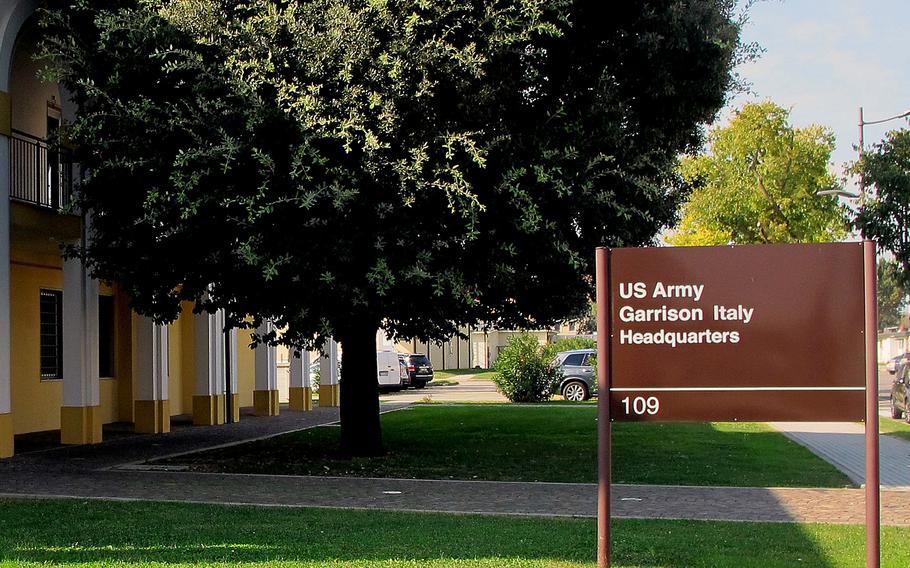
x,y
39,175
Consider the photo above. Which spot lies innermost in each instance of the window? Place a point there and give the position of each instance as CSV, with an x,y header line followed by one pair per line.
x,y
51,331
106,336
574,360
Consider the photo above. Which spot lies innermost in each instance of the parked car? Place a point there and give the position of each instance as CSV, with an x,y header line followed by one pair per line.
x,y
895,363
900,395
420,370
403,370
578,380
388,371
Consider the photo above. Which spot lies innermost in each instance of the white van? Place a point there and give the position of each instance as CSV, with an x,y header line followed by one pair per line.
x,y
388,371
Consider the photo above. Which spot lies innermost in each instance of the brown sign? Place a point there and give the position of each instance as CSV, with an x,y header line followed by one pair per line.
x,y
753,333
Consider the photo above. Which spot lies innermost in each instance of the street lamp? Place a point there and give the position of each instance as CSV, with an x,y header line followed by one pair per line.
x,y
838,192
862,185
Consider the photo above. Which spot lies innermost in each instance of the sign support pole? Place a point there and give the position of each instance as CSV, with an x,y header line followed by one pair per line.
x,y
873,491
604,367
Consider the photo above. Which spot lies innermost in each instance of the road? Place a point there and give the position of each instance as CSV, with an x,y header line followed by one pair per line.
x,y
481,390
467,390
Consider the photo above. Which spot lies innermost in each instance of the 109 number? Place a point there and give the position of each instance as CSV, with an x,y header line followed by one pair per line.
x,y
640,405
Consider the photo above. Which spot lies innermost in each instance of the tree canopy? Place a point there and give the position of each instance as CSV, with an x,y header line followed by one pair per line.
x,y
885,214
758,183
892,294
335,166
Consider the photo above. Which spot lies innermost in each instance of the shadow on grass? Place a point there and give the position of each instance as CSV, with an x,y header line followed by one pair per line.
x,y
716,454
553,443
128,534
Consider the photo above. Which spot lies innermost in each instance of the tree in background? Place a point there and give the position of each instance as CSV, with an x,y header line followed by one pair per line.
x,y
892,294
336,166
758,183
885,215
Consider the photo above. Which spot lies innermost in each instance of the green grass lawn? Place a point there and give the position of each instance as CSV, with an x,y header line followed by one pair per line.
x,y
897,428
550,443
96,534
477,373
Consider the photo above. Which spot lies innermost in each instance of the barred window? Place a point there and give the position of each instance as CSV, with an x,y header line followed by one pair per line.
x,y
51,329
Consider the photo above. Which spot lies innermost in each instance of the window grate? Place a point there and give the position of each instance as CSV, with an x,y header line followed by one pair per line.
x,y
51,333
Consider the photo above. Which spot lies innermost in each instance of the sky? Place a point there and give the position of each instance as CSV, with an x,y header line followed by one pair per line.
x,y
824,59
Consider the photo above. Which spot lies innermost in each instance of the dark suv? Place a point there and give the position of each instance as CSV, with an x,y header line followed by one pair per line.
x,y
420,370
900,395
577,367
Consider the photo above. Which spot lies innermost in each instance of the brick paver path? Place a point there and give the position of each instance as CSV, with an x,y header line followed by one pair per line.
x,y
105,471
843,444
546,499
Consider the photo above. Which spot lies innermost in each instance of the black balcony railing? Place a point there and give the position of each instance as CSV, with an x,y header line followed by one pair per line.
x,y
38,174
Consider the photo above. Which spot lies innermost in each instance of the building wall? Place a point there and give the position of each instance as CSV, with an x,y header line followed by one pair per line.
x,y
246,367
488,345
36,264
29,95
35,402
452,354
124,358
183,333
892,344
110,386
179,376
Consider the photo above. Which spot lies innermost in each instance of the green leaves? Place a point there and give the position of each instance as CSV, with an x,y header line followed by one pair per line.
x,y
336,163
758,183
885,216
891,293
522,372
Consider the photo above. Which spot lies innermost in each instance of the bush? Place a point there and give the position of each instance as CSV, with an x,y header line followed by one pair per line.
x,y
550,351
522,373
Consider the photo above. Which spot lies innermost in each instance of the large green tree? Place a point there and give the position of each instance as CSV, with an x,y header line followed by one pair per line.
x,y
758,183
335,166
885,214
892,294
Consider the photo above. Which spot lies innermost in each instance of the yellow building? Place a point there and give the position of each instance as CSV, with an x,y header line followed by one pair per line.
x,y
487,345
72,355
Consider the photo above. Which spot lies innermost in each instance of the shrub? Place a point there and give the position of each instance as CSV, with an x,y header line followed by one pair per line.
x,y
522,373
550,351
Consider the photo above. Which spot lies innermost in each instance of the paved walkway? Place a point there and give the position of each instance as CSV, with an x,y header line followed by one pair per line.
x,y
483,497
843,444
109,471
468,389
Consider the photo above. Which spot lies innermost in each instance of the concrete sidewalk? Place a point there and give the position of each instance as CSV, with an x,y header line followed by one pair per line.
x,y
115,470
840,506
843,445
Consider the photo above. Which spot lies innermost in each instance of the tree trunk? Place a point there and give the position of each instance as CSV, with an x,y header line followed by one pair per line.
x,y
361,434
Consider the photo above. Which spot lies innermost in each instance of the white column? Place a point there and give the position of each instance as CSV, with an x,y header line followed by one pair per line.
x,y
265,393
300,369
80,416
329,393
300,390
152,409
208,397
13,15
232,371
328,363
232,346
6,418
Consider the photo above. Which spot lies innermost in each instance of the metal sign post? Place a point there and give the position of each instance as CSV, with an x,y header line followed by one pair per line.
x,y
747,333
604,426
873,483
